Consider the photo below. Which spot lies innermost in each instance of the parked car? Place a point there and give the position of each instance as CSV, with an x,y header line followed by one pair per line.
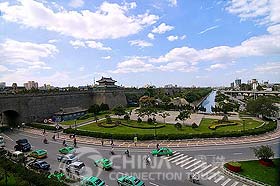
x,y
92,181
77,167
104,163
2,141
22,145
67,150
40,165
162,152
39,153
68,158
130,181
17,156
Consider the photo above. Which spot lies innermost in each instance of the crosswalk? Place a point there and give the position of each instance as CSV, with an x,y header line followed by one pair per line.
x,y
205,171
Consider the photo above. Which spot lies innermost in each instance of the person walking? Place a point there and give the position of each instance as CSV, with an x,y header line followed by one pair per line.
x,y
102,142
75,142
112,142
53,137
157,146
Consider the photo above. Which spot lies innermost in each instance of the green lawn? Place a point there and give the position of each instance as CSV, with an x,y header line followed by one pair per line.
x,y
72,122
254,170
168,129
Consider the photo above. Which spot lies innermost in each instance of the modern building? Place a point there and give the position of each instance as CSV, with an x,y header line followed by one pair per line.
x,y
31,84
2,85
106,83
232,85
70,113
237,82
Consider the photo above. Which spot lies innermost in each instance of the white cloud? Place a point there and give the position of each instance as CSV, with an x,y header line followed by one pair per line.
x,y
140,43
270,67
262,11
254,46
172,2
216,66
172,38
91,44
208,29
25,54
3,68
162,28
177,66
109,21
53,41
274,30
133,65
151,36
82,68
106,57
183,37
76,3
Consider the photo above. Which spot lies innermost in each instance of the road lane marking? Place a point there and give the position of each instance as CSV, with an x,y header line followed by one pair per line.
x,y
178,163
211,170
203,169
193,164
179,159
167,157
175,157
6,136
219,179
213,175
235,183
226,182
237,153
153,184
30,136
188,162
198,166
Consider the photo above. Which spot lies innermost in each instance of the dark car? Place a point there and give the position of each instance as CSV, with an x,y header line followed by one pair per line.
x,y
22,145
40,165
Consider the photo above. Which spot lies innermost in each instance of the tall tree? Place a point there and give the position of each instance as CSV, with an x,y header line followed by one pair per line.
x,y
262,106
119,110
183,115
164,115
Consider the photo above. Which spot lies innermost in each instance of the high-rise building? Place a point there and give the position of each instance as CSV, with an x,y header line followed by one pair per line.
x,y
232,85
31,84
2,85
237,82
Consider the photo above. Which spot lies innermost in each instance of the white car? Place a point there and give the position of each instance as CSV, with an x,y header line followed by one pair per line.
x,y
68,158
77,167
2,141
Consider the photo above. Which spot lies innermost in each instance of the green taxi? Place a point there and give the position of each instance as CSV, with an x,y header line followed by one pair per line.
x,y
39,153
67,150
92,181
130,181
103,163
162,152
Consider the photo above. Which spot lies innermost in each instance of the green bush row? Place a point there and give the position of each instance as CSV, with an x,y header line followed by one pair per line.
x,y
215,126
30,177
42,126
215,134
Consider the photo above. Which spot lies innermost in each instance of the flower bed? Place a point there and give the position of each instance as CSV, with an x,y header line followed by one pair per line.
x,y
267,163
215,126
233,166
142,127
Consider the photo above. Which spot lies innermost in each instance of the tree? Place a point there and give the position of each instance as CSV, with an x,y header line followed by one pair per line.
x,y
178,126
147,101
95,109
262,106
126,117
164,115
183,115
119,110
104,107
263,152
146,111
108,119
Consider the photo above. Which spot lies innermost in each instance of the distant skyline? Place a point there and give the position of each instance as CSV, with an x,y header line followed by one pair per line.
x,y
195,42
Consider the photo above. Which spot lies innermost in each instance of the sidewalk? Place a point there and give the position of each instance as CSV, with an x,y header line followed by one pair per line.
x,y
201,142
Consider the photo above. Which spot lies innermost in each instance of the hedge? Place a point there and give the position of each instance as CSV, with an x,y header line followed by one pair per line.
x,y
4,128
42,126
20,171
266,128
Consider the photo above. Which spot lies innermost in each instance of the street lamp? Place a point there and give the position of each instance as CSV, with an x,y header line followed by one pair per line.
x,y
243,125
154,121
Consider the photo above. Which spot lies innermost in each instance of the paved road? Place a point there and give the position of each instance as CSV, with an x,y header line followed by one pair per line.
x,y
167,171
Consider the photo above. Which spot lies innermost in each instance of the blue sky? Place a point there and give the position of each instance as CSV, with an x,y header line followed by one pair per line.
x,y
183,42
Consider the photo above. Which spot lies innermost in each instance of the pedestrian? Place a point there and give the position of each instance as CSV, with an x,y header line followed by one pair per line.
x,y
112,142
135,140
64,143
75,142
44,131
102,142
53,137
18,127
157,146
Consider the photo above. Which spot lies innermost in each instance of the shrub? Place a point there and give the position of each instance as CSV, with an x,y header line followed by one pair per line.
x,y
233,166
178,126
142,127
194,125
139,120
108,119
150,120
263,152
104,107
126,117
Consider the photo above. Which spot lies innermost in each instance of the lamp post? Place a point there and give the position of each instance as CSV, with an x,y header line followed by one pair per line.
x,y
154,121
243,125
